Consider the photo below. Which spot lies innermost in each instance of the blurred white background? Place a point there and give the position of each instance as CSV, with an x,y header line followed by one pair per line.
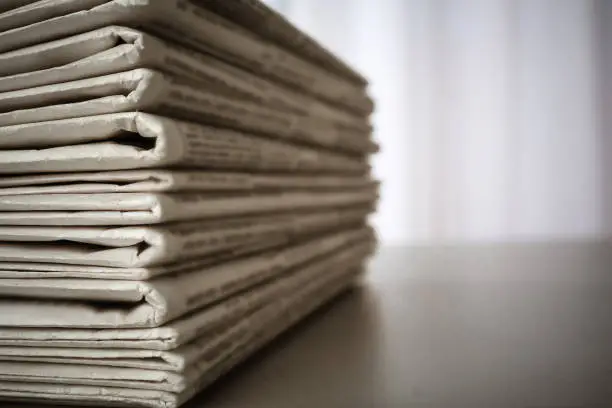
x,y
490,112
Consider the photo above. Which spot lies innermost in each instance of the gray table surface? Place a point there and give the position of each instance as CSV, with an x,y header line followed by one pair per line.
x,y
457,327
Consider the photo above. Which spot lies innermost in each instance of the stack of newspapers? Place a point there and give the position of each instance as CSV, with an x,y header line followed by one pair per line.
x,y
180,182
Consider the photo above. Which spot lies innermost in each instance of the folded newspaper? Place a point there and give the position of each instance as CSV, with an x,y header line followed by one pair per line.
x,y
155,208
32,270
179,359
68,302
134,181
166,347
137,140
180,182
187,24
276,319
155,245
151,91
200,324
192,360
116,49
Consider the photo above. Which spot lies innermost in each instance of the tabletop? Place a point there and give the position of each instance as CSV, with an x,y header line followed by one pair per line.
x,y
449,327
491,326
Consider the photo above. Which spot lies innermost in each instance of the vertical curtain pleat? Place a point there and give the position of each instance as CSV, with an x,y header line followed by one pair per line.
x,y
489,113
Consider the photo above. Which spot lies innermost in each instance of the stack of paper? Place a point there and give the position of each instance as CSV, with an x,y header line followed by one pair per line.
x,y
181,181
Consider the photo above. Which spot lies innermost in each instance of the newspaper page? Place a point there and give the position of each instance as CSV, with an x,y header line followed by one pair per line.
x,y
41,10
156,208
185,23
151,304
150,246
271,25
136,181
172,335
179,359
151,91
31,270
202,359
137,140
292,309
115,49
96,53
176,333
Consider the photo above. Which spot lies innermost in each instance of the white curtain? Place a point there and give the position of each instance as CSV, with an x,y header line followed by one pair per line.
x,y
488,113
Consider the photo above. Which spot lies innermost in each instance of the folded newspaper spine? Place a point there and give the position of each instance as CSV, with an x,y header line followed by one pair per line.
x,y
148,246
138,140
208,343
283,315
154,208
151,304
116,49
152,91
165,380
187,24
181,331
141,181
32,270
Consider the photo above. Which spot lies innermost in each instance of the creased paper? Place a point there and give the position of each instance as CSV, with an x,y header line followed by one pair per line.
x,y
287,313
198,352
185,23
166,243
155,208
150,304
179,332
137,140
174,181
116,49
151,91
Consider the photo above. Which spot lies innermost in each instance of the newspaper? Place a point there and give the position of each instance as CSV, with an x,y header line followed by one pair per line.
x,y
115,49
179,332
150,246
151,91
286,313
31,270
132,291
198,353
209,337
151,304
137,140
180,358
185,23
271,25
134,181
138,378
156,208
